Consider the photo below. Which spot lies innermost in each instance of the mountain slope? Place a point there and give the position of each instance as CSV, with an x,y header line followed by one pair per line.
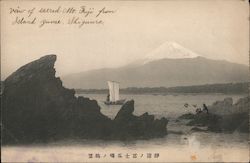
x,y
162,72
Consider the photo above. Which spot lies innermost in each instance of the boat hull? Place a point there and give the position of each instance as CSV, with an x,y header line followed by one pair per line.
x,y
119,102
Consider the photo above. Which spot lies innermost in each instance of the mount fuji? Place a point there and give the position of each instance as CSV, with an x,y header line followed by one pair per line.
x,y
170,50
168,65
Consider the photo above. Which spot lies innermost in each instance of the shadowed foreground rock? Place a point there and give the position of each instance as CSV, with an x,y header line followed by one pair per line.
x,y
37,108
129,126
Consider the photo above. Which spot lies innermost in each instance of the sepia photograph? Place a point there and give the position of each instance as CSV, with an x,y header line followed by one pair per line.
x,y
125,81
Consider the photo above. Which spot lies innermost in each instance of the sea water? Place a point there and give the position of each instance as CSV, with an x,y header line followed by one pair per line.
x,y
179,145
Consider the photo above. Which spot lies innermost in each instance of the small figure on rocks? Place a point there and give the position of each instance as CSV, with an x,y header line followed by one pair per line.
x,y
205,108
198,111
108,98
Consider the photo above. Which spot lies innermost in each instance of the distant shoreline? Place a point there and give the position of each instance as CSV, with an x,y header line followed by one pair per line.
x,y
227,88
162,94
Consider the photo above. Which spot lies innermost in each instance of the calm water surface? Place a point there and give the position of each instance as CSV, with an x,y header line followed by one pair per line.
x,y
179,145
170,106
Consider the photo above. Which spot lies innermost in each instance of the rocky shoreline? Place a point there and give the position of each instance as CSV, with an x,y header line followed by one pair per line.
x,y
37,108
224,116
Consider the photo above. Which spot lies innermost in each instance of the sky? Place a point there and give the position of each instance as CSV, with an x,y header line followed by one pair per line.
x,y
214,29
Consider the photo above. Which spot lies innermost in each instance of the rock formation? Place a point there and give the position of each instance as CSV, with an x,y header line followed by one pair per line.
x,y
129,126
37,108
224,116
227,107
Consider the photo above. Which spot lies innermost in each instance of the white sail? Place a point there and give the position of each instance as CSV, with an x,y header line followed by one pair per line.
x,y
116,90
113,91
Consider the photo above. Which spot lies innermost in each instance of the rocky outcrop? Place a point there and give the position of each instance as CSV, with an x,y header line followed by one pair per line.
x,y
234,117
37,108
224,116
187,116
211,121
222,107
227,107
242,105
130,126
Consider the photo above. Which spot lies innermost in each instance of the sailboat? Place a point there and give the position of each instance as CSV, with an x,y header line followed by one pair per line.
x,y
114,98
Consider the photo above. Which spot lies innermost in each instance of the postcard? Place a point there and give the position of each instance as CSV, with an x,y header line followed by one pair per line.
x,y
125,81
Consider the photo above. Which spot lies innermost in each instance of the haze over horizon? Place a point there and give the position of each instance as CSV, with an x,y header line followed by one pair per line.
x,y
209,29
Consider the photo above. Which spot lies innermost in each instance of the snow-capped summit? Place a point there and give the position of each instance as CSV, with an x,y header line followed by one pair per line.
x,y
170,50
